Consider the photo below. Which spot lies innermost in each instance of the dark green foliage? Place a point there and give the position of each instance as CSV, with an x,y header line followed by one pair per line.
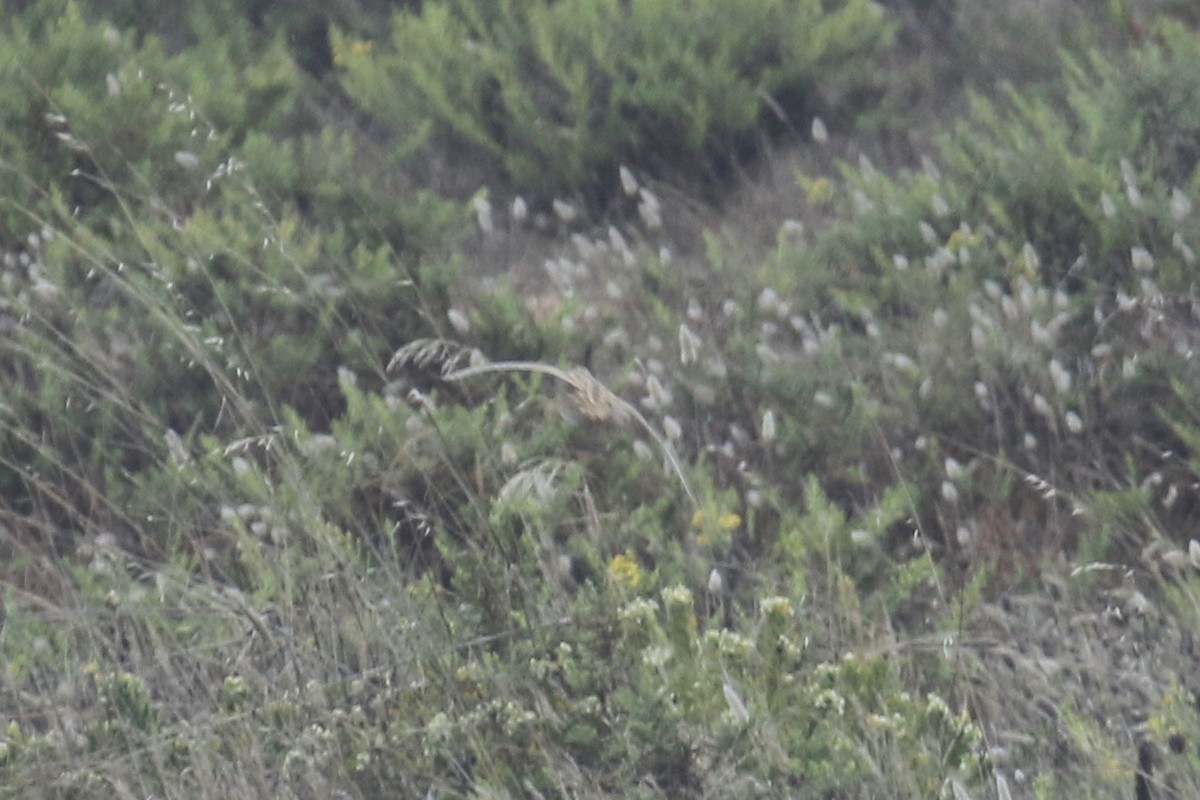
x,y
243,557
561,93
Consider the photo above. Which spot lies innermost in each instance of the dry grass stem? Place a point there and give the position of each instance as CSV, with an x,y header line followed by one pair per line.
x,y
593,399
442,354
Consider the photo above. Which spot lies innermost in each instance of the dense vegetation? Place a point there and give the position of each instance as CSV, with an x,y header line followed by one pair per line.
x,y
431,399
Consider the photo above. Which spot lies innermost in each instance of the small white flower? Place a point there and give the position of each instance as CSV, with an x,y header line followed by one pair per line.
x,y
820,133
672,428
677,596
642,450
775,605
900,262
1074,422
1194,553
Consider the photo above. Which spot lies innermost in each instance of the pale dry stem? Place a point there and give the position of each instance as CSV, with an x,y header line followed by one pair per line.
x,y
594,400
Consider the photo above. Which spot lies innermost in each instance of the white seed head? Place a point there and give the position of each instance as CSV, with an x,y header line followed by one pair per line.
x,y
768,426
564,210
628,182
715,582
768,301
1177,242
940,207
483,214
929,234
737,708
820,133
1141,259
1042,407
689,345
1032,261
954,470
187,159
650,210
1107,206
1181,205
520,210
658,393
459,321
1059,377
1133,195
672,428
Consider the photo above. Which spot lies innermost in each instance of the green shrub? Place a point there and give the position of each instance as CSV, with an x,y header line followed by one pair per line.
x,y
561,93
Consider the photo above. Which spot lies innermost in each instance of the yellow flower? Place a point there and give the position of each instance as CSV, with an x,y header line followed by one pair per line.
x,y
624,571
728,521
819,192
